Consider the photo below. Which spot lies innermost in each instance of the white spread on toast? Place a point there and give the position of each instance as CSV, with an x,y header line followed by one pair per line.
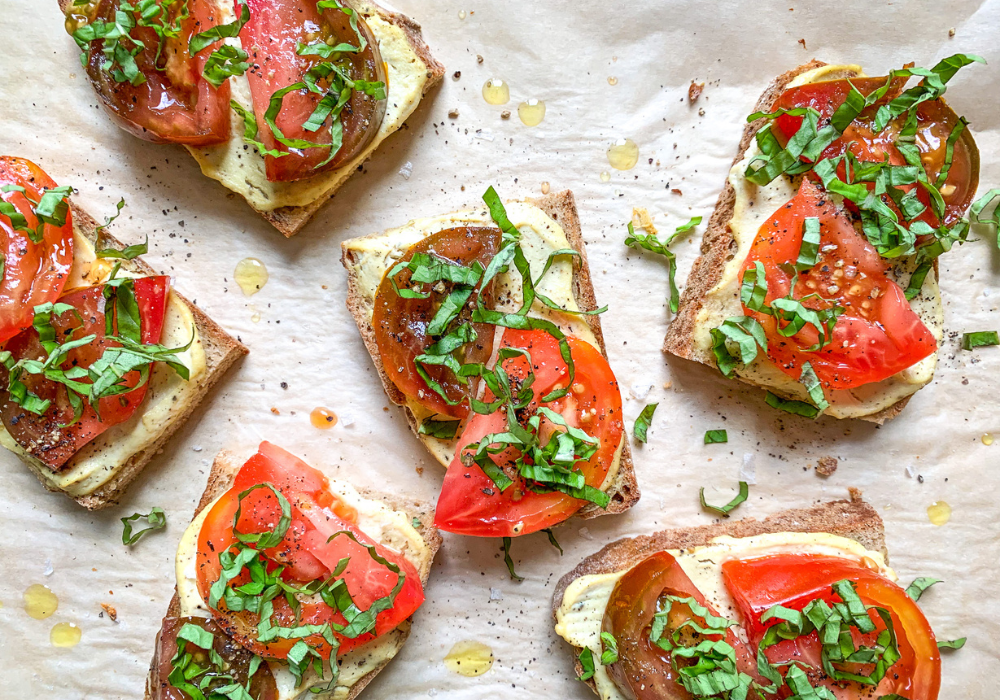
x,y
372,256
167,396
390,528
753,206
579,617
240,167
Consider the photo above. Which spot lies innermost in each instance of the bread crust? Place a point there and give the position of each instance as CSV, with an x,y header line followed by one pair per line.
x,y
291,220
719,246
561,207
853,519
221,351
220,478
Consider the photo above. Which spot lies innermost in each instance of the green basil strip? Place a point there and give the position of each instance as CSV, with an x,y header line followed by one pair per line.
x,y
930,88
363,621
648,241
499,213
809,250
510,562
799,408
225,62
979,339
440,429
714,437
952,644
204,39
552,540
129,253
643,421
917,279
753,288
269,538
108,220
250,131
200,637
156,518
726,509
586,658
990,199
610,646
747,333
919,585
811,382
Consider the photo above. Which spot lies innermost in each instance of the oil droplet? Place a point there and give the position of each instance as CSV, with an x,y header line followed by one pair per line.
x,y
251,275
612,80
496,92
532,112
461,14
987,439
546,187
623,154
65,634
323,418
469,658
605,176
40,602
939,513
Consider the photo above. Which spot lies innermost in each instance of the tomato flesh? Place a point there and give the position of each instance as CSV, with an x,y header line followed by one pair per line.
x,y
236,661
401,324
877,336
175,104
470,503
793,580
644,670
270,38
42,435
317,514
33,273
935,121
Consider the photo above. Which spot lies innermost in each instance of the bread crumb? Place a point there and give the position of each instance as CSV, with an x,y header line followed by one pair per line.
x,y
642,219
479,59
803,42
453,113
826,466
420,471
505,114
856,494
667,385
110,610
457,74
676,191
694,91
951,33
275,411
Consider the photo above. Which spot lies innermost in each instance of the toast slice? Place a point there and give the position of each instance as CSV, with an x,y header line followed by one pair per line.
x,y
220,478
719,245
561,207
221,351
852,519
412,72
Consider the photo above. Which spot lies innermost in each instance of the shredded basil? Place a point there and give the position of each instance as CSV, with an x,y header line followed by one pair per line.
x,y
725,510
156,518
609,644
552,540
129,253
225,62
510,562
440,429
52,208
952,644
746,333
586,658
199,42
979,339
799,408
713,437
919,585
649,241
990,199
643,421
809,250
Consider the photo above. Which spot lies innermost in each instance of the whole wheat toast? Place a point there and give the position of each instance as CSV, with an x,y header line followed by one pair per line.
x,y
853,519
290,220
220,478
221,351
561,207
718,246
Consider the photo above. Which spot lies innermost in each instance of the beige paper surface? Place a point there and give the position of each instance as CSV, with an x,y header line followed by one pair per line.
x,y
563,53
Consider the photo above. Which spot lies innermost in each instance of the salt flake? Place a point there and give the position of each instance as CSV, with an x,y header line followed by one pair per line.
x,y
748,470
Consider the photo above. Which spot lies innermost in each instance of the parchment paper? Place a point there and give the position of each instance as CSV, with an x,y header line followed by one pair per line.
x,y
563,53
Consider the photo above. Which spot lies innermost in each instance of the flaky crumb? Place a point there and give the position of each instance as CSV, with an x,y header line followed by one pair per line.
x,y
694,91
642,219
110,610
826,466
275,411
857,495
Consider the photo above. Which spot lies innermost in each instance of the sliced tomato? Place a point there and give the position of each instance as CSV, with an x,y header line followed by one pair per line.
x,y
175,104
793,580
644,670
236,662
275,29
50,437
470,503
401,324
935,121
877,336
307,551
33,273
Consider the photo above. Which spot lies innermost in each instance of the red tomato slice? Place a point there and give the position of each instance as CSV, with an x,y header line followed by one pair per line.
x,y
175,104
317,514
644,670
877,336
793,580
470,504
42,436
935,121
33,273
275,29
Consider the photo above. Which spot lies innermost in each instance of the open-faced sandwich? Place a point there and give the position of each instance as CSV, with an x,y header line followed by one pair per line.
x,y
289,585
279,100
101,359
818,278
484,327
799,605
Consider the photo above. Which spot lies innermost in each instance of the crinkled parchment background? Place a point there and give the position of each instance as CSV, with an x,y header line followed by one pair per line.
x,y
562,52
